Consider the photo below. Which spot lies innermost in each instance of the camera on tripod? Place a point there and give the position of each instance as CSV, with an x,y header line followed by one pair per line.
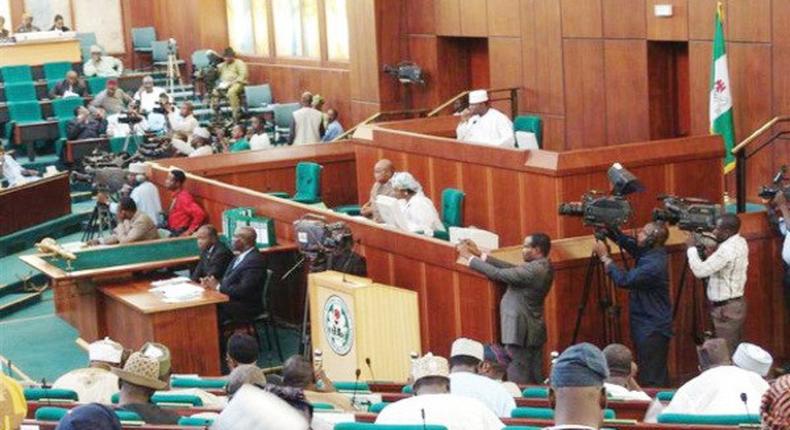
x,y
158,108
318,240
777,185
689,214
598,209
129,118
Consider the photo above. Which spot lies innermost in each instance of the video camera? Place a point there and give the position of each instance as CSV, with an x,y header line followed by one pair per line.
x,y
689,214
769,192
317,240
606,210
129,118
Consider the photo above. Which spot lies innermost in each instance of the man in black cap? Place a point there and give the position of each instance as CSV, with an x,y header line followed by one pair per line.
x,y
577,393
92,416
232,79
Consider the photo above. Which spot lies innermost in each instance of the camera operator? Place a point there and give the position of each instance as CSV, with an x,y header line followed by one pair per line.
x,y
725,267
131,122
86,125
343,258
157,119
650,312
779,204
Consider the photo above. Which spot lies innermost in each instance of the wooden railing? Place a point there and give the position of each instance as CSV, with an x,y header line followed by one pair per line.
x,y
383,116
512,97
742,155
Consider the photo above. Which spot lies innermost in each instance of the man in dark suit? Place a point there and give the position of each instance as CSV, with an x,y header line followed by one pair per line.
x,y
214,255
521,309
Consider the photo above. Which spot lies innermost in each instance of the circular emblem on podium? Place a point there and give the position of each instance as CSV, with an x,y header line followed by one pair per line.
x,y
338,327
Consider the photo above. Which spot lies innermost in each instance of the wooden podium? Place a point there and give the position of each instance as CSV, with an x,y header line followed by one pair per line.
x,y
354,319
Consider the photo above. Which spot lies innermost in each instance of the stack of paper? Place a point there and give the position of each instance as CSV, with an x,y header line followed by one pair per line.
x,y
179,289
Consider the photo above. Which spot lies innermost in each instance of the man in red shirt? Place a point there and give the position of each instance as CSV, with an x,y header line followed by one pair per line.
x,y
185,215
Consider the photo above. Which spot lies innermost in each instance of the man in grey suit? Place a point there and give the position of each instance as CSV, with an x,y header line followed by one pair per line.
x,y
521,309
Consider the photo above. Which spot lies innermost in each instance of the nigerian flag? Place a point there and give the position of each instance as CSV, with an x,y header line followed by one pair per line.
x,y
720,96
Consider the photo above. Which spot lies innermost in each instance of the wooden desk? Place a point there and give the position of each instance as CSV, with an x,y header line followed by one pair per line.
x,y
133,316
28,134
33,203
75,150
40,52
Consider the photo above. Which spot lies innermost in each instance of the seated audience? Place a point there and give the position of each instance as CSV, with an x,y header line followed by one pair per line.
x,y
133,226
244,374
466,358
71,86
480,123
92,416
214,255
432,402
4,33
495,363
95,383
720,387
308,123
86,125
243,280
201,142
577,394
139,381
333,129
256,407
112,99
158,121
300,373
13,172
148,95
238,139
242,350
259,138
382,186
58,24
775,407
183,122
420,213
100,65
27,24
185,215
621,383
232,79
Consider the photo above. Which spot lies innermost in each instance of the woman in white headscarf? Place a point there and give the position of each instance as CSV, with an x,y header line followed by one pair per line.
x,y
420,213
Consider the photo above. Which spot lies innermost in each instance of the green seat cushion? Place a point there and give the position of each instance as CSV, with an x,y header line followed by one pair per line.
x,y
442,235
532,124
548,413
280,194
665,396
206,384
370,426
184,399
376,408
536,393
50,393
522,428
128,416
724,420
91,259
453,207
323,406
407,389
351,386
115,398
195,422
351,210
49,413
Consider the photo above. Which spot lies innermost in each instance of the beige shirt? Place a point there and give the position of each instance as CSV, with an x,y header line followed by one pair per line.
x,y
233,73
307,126
140,227
107,66
726,268
379,189
339,401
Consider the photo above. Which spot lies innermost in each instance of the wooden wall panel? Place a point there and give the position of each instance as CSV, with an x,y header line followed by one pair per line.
x,y
448,17
553,132
675,27
423,50
364,70
621,19
581,18
504,55
748,20
474,21
627,115
421,18
504,18
701,17
542,55
781,57
699,81
585,115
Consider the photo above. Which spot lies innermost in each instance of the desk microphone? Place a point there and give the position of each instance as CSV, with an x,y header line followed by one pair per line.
x,y
422,412
367,362
745,399
356,385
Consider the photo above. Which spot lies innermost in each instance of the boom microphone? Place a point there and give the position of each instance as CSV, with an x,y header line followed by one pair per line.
x,y
367,362
356,385
745,399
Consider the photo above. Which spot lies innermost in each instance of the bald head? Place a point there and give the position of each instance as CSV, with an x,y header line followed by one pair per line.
x,y
307,98
244,238
618,358
72,76
383,171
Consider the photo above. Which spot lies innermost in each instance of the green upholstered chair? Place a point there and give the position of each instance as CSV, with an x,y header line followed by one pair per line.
x,y
50,394
350,386
323,406
308,184
206,384
452,211
64,108
280,194
258,98
266,319
178,399
548,413
128,416
159,51
116,144
283,117
350,210
195,422
665,396
199,59
49,413
722,420
407,389
536,392
86,41
370,426
22,113
56,70
96,84
532,124
376,408
13,74
142,38
20,92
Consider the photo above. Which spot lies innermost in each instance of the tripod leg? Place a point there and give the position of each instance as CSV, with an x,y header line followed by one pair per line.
x,y
679,293
585,297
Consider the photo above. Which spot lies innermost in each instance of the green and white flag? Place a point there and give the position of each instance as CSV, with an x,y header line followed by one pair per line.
x,y
720,95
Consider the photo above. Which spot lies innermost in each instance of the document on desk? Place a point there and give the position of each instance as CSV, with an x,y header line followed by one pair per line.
x,y
177,290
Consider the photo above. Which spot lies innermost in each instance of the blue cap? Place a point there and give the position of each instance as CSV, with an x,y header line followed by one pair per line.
x,y
581,365
90,417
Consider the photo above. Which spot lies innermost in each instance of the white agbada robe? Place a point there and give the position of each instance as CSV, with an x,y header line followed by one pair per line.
x,y
488,391
148,100
12,171
621,393
92,385
718,391
453,412
421,215
203,150
493,128
260,141
146,197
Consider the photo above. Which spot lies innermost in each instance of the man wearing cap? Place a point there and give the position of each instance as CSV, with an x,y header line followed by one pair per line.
x,y
71,86
185,215
201,141
27,24
145,194
214,255
300,373
621,383
577,393
90,417
466,358
308,123
13,172
232,79
95,384
139,381
494,366
148,94
112,99
418,209
723,388
432,402
100,65
133,226
480,123
521,308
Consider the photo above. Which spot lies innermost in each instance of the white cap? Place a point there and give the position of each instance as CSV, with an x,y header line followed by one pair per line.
x,y
468,347
430,365
749,356
106,350
96,49
138,168
478,96
201,132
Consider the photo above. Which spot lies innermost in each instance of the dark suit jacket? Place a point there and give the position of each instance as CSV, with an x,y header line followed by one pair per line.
x,y
213,262
521,309
244,286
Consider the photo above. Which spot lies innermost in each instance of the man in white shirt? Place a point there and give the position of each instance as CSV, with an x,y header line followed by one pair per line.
x,y
432,403
577,394
148,95
308,123
145,194
418,209
183,122
95,384
259,138
102,65
725,269
201,141
480,123
466,356
13,172
621,383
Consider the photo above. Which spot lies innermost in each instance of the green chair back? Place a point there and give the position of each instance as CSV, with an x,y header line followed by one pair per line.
x,y
453,207
195,422
96,84
407,389
116,144
370,426
308,183
351,386
377,407
142,38
522,428
548,413
206,384
665,396
56,69
532,124
64,108
258,95
200,58
159,51
20,92
323,406
50,393
182,399
49,413
126,416
536,392
51,84
13,74
24,112
722,420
